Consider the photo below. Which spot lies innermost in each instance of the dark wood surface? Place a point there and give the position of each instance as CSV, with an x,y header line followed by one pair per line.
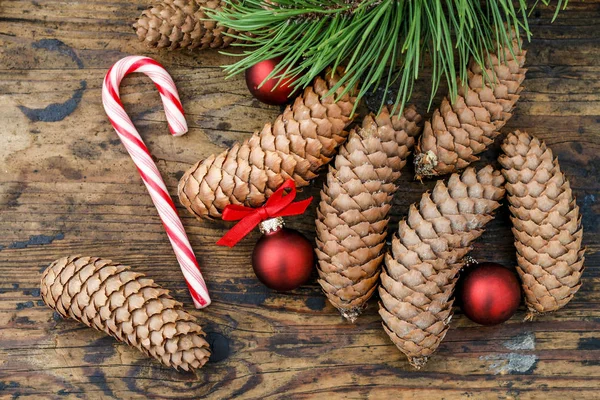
x,y
67,186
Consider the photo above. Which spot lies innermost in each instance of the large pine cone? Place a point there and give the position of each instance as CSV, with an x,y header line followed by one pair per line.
x,y
459,131
420,273
299,142
111,298
546,223
175,24
355,201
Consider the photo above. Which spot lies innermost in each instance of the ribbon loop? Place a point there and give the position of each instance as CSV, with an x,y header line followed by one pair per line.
x,y
279,204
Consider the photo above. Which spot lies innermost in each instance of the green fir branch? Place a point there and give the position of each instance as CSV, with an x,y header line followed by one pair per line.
x,y
379,42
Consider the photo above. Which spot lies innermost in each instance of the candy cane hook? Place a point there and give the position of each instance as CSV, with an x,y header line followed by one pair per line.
x,y
143,161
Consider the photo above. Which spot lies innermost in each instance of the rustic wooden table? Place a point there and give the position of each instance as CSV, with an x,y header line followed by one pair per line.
x,y
67,186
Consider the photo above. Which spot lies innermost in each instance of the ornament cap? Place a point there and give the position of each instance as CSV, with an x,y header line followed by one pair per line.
x,y
271,225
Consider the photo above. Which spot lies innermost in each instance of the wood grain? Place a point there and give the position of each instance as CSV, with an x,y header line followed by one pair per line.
x,y
67,186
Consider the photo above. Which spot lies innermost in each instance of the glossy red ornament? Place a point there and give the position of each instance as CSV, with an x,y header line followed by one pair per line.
x,y
283,259
268,93
489,293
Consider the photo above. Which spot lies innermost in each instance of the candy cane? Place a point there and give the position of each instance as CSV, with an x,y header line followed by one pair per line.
x,y
143,161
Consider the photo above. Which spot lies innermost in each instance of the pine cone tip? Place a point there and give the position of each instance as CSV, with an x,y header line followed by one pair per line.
x,y
530,316
425,165
351,314
418,362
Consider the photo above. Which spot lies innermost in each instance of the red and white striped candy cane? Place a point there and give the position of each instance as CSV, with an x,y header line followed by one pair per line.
x,y
143,161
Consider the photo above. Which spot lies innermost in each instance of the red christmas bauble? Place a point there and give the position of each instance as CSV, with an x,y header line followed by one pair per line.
x,y
268,93
489,293
283,259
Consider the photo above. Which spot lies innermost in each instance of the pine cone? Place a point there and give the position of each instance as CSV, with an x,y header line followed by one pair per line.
x,y
175,24
111,298
296,145
355,201
546,223
458,132
420,273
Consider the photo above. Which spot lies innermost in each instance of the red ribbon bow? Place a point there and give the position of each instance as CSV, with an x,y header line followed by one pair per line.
x,y
278,205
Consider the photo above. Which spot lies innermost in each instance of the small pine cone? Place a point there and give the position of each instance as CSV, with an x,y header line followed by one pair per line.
x,y
179,24
133,309
300,141
546,223
355,201
458,132
418,280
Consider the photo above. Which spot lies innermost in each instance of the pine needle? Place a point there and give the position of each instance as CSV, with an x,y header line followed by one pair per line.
x,y
379,42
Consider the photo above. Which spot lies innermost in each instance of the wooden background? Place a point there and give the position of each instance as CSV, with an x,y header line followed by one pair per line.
x,y
67,186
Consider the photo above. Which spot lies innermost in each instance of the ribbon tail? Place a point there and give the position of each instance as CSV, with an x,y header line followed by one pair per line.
x,y
241,229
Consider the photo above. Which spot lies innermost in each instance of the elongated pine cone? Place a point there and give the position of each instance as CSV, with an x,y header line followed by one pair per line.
x,y
458,132
420,272
355,201
299,142
109,297
546,223
175,24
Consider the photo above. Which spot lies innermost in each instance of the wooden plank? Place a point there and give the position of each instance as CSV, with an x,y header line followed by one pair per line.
x,y
68,186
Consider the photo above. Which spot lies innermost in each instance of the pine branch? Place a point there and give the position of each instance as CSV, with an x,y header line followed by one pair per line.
x,y
380,42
